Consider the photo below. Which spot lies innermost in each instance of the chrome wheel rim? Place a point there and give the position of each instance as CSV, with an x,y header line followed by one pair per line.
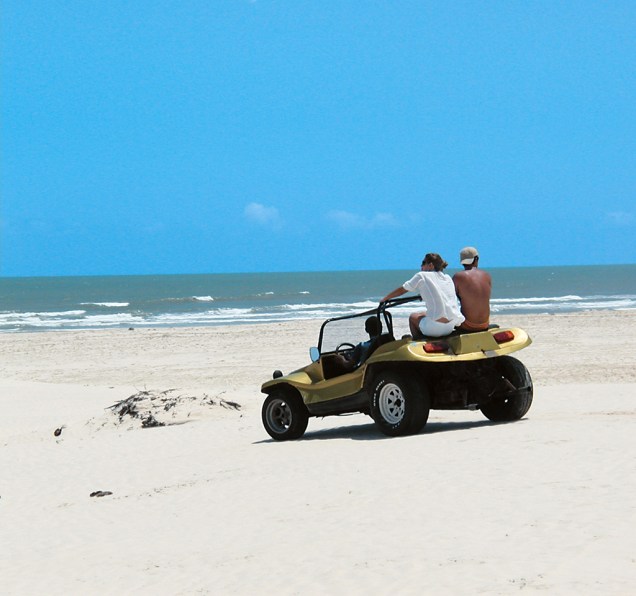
x,y
391,403
279,415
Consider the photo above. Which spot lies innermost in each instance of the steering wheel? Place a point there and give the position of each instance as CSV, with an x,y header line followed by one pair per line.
x,y
343,347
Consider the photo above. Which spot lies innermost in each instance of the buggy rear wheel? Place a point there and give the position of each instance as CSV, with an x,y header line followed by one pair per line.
x,y
513,401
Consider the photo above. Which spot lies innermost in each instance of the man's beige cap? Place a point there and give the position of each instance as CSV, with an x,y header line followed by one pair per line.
x,y
467,255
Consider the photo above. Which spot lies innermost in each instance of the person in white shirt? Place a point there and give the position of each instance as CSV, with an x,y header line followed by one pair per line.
x,y
437,290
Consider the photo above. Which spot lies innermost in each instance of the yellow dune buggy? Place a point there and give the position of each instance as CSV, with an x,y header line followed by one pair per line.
x,y
359,366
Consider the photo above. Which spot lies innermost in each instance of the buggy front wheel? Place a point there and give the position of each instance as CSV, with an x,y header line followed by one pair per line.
x,y
285,416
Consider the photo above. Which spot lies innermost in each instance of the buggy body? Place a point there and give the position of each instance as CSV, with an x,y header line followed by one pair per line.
x,y
397,381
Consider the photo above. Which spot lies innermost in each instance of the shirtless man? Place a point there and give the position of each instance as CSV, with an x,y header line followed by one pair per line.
x,y
473,287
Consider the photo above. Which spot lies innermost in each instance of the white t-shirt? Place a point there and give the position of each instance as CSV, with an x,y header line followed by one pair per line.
x,y
438,292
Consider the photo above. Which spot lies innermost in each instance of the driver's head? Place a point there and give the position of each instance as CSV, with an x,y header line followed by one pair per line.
x,y
373,326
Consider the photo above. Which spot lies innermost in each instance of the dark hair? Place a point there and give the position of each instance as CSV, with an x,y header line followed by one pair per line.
x,y
437,261
373,326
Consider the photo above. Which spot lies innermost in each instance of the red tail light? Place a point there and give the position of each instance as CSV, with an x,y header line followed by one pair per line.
x,y
437,347
501,337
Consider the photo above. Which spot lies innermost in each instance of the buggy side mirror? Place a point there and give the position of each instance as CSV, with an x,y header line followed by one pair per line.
x,y
314,354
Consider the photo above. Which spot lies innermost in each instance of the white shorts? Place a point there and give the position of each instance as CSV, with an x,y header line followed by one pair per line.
x,y
433,328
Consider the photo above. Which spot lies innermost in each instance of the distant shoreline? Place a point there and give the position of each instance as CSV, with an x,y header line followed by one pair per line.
x,y
224,299
507,318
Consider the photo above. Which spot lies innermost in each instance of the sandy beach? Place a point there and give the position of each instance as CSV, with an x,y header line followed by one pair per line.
x,y
208,504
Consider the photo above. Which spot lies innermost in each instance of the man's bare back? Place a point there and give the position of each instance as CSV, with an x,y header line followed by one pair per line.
x,y
473,287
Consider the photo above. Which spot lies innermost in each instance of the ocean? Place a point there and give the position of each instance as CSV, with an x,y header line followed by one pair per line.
x,y
98,302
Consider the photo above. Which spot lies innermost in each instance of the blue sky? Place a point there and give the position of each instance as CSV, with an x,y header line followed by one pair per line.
x,y
209,136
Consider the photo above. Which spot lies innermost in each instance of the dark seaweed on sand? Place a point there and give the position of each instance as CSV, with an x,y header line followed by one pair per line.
x,y
141,405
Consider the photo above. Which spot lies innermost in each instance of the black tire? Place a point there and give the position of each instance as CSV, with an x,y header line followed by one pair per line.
x,y
512,404
399,405
284,416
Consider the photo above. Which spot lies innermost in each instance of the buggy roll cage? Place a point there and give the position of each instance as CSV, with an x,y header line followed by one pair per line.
x,y
379,311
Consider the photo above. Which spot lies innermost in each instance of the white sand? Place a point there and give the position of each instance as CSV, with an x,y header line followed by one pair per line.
x,y
209,504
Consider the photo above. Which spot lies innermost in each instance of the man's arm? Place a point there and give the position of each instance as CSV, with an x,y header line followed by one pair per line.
x,y
457,282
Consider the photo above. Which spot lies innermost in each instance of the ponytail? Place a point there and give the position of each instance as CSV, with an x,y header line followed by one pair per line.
x,y
437,261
